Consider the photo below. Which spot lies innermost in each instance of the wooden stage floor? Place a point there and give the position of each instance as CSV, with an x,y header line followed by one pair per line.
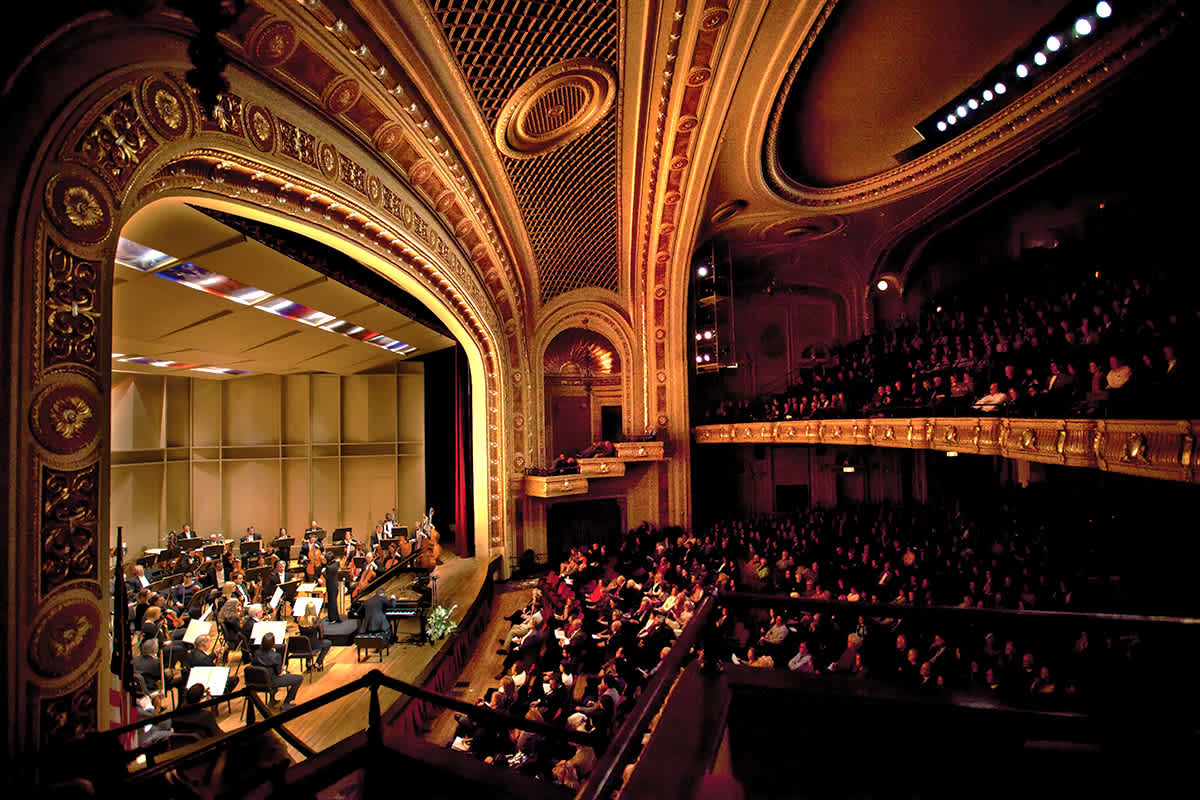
x,y
459,581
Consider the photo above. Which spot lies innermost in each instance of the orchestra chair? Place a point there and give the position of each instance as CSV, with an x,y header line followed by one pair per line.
x,y
299,647
257,680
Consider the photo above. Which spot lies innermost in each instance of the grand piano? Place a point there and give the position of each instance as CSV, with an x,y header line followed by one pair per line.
x,y
412,586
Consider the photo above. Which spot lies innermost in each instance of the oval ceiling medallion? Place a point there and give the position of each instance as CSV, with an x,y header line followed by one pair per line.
x,y
806,229
554,107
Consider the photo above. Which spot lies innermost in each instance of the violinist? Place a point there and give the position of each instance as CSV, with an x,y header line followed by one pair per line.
x,y
273,578
208,654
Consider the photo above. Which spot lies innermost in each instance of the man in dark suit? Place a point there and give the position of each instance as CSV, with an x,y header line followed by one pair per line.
x,y
271,660
272,580
198,722
199,656
333,586
148,666
252,535
374,620
527,649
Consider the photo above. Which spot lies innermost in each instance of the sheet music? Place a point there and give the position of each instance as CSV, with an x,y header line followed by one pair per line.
x,y
207,613
196,628
212,678
220,577
306,587
303,603
275,598
261,629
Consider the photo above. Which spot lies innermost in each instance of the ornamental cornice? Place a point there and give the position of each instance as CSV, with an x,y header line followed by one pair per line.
x,y
1027,116
329,68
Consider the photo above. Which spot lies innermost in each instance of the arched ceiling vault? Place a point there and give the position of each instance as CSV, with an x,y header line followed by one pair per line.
x,y
580,148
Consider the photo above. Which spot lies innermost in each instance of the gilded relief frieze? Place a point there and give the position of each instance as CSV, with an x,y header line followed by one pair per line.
x,y
69,716
117,142
69,308
69,520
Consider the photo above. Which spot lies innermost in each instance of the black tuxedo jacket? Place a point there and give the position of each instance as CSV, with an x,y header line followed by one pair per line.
x,y
374,619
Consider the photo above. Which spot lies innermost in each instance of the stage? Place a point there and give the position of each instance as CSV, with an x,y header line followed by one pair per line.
x,y
459,582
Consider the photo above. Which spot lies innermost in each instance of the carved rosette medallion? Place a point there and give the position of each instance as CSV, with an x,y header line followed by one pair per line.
x,y
68,327
69,500
65,636
79,207
374,190
327,157
64,417
687,123
341,95
165,107
260,128
662,420
273,43
714,18
698,76
388,136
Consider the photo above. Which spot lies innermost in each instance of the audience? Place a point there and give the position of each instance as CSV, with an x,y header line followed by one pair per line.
x,y
1025,340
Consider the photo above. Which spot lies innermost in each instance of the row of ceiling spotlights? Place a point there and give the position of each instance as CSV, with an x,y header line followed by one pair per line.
x,y
1083,27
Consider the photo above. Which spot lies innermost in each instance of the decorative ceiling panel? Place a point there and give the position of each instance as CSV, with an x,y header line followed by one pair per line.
x,y
567,197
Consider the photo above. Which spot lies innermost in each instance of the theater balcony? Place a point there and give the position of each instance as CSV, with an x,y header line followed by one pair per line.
x,y
1152,448
592,469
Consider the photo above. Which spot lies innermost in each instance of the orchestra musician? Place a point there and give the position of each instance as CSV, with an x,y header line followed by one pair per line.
x,y
187,532
252,535
206,653
364,576
309,545
377,536
389,522
329,578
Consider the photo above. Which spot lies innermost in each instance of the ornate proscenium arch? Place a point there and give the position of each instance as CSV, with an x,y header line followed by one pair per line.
x,y
91,159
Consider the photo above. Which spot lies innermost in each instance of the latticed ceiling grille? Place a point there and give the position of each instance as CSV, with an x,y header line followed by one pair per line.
x,y
567,197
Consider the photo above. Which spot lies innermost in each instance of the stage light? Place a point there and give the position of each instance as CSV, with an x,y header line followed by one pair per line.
x,y
1022,71
939,309
847,468
942,125
952,119
962,112
972,104
987,95
699,360
1103,10
707,357
1001,88
702,272
951,454
1039,58
708,335
1053,43
882,286
1083,26
698,337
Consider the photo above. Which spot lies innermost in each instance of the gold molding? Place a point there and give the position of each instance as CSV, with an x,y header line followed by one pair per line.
x,y
1161,449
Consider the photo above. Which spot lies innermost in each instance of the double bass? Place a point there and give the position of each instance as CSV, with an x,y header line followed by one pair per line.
x,y
430,543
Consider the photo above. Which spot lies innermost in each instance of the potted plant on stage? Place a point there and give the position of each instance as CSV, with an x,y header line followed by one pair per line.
x,y
440,624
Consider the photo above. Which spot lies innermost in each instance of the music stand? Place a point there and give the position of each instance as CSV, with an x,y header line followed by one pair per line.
x,y
400,531
318,532
335,551
214,550
360,561
254,546
340,534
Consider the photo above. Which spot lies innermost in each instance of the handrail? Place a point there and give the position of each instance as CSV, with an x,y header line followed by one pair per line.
x,y
606,775
372,681
1074,619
